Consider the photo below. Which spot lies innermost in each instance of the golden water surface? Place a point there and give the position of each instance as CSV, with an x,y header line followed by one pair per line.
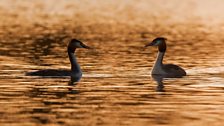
x,y
116,88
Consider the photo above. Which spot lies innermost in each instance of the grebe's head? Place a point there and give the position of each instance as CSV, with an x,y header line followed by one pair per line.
x,y
160,42
157,41
74,43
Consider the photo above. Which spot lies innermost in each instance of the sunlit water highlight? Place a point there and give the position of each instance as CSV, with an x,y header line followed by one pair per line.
x,y
116,88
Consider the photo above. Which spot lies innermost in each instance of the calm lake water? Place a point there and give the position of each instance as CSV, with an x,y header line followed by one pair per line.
x,y
116,88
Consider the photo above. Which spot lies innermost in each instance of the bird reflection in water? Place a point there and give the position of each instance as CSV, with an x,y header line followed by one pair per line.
x,y
73,81
159,81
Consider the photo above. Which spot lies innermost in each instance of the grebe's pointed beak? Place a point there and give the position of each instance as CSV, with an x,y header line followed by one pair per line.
x,y
149,44
85,46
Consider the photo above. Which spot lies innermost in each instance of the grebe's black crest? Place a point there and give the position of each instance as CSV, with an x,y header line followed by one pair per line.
x,y
74,43
159,39
160,42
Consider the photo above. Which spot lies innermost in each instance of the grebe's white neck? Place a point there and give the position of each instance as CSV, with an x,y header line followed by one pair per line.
x,y
74,64
157,67
159,59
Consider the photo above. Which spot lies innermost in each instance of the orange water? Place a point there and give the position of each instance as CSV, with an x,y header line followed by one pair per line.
x,y
116,88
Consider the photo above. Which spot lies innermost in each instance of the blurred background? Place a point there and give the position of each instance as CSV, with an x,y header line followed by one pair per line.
x,y
116,88
128,11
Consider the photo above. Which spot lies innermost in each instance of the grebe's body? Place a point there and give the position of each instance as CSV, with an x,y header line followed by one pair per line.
x,y
75,71
168,70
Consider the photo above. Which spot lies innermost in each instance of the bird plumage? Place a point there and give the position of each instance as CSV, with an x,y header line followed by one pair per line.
x,y
169,70
75,71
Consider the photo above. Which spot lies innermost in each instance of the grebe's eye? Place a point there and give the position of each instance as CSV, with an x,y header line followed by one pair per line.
x,y
158,42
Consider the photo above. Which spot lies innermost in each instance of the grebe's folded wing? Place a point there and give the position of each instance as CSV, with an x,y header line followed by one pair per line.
x,y
174,69
49,72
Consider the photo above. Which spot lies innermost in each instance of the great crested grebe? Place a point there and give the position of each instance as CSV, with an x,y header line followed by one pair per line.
x,y
75,71
167,70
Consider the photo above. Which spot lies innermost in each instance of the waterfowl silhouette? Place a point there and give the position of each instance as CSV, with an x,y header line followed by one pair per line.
x,y
168,70
75,72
